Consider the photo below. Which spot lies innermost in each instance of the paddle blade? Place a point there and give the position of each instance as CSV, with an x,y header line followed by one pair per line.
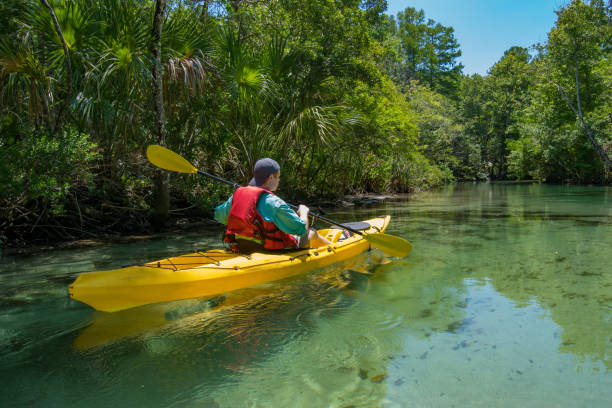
x,y
168,160
390,244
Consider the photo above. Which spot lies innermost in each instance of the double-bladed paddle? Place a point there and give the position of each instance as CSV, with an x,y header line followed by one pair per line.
x,y
168,160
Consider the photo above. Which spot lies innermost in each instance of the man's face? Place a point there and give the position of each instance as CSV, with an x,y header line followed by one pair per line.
x,y
274,180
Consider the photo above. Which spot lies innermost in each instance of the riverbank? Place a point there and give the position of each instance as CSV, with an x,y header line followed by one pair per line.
x,y
175,227
193,223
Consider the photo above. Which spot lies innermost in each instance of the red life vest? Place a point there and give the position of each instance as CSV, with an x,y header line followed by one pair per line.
x,y
245,221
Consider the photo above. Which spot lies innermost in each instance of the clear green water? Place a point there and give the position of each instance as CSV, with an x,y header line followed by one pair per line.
x,y
506,301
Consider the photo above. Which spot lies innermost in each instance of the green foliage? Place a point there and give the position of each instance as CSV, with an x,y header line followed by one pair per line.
x,y
438,126
524,152
552,152
41,167
573,79
523,119
394,156
429,51
507,87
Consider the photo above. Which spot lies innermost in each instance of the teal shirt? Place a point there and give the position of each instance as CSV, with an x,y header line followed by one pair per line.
x,y
271,208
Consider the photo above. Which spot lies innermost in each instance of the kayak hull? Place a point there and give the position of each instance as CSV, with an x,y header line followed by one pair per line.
x,y
210,273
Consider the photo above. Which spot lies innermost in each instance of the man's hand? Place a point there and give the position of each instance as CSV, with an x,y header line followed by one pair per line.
x,y
303,211
303,214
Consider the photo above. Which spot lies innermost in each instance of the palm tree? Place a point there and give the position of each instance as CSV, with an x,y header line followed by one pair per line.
x,y
278,105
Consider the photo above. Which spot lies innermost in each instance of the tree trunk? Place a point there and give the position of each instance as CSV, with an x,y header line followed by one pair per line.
x,y
604,157
162,193
204,14
68,96
578,111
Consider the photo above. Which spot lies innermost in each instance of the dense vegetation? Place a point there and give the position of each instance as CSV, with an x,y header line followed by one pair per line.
x,y
345,97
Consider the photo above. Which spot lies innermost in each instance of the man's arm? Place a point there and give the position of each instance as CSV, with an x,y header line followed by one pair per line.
x,y
274,209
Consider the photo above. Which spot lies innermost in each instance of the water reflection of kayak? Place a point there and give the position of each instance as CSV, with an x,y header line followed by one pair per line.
x,y
212,272
107,328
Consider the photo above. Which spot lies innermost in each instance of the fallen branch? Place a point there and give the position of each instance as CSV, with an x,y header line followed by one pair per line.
x,y
578,112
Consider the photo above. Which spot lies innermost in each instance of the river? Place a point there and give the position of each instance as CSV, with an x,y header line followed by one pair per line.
x,y
505,301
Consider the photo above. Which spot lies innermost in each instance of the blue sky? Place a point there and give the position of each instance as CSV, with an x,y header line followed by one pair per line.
x,y
487,28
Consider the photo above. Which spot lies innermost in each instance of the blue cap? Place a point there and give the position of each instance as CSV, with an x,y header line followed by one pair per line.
x,y
263,168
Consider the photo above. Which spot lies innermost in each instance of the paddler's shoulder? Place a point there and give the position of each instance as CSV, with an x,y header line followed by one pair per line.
x,y
271,200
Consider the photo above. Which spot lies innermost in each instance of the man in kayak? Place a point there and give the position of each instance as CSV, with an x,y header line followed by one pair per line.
x,y
257,219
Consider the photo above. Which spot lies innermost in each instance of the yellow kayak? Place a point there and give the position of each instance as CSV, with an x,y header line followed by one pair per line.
x,y
209,273
106,328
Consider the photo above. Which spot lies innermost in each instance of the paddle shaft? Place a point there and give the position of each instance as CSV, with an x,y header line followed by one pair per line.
x,y
293,207
235,185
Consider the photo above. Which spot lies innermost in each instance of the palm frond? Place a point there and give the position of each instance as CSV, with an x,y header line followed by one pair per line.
x,y
319,124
